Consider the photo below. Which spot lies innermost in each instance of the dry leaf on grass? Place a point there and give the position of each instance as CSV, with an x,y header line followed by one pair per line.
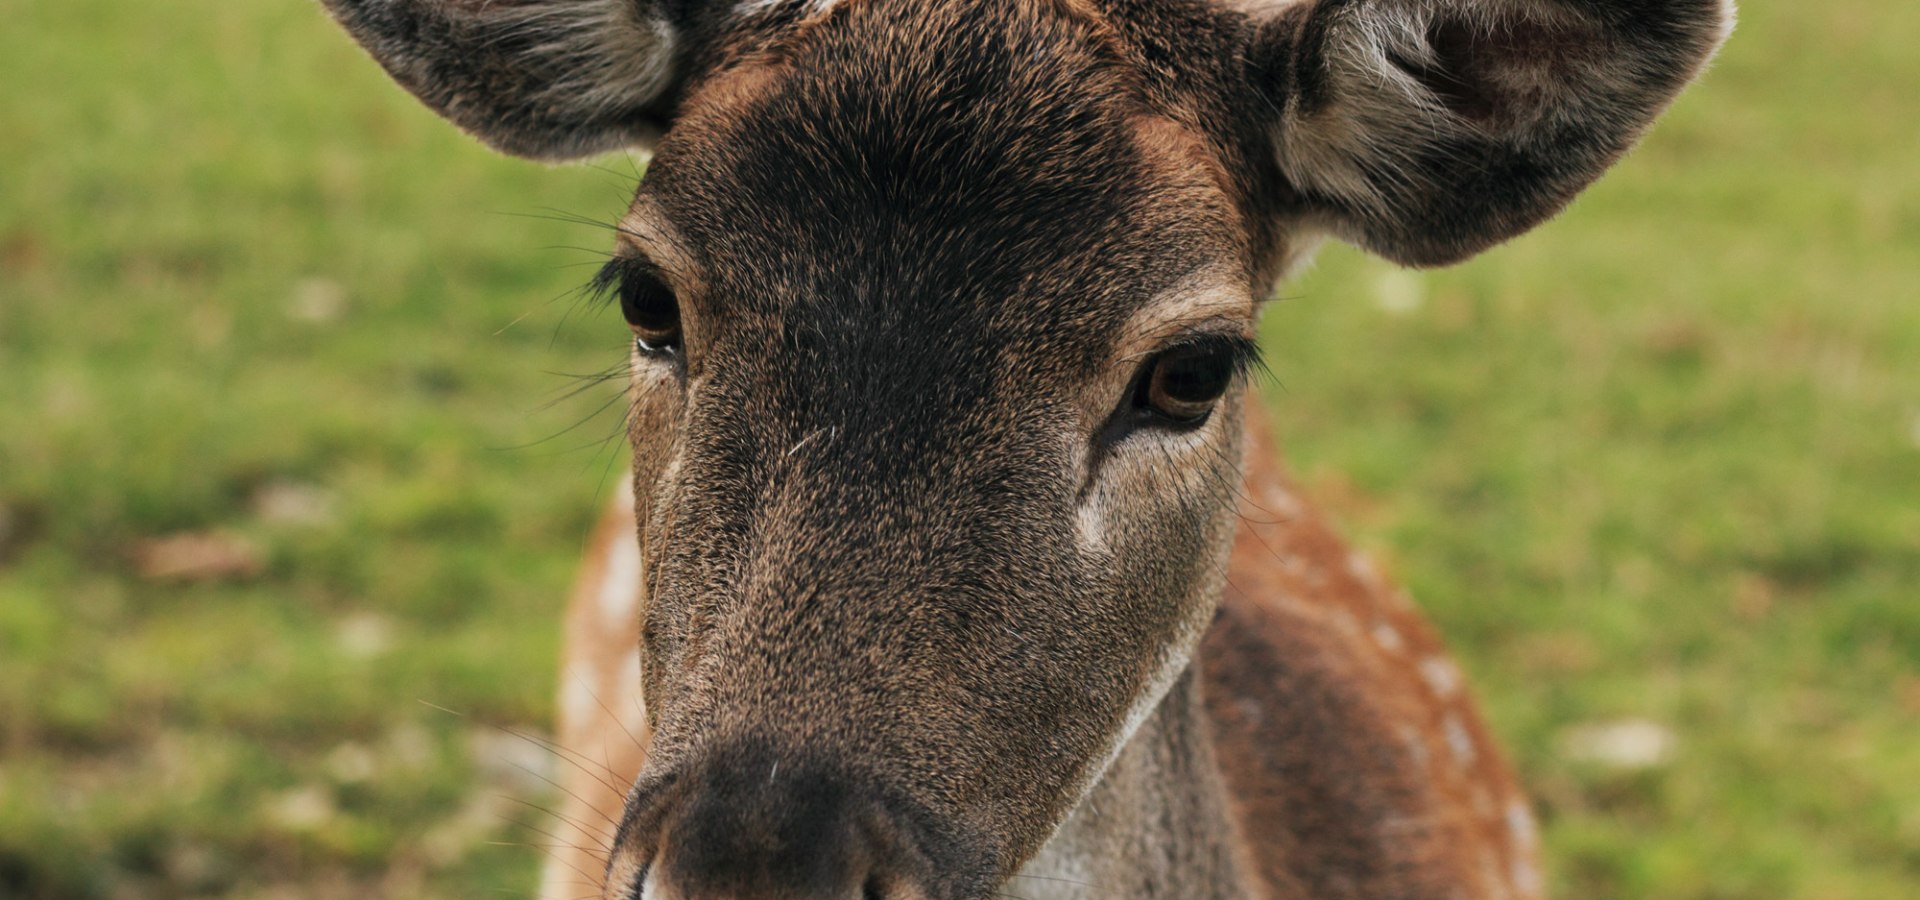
x,y
1625,744
198,556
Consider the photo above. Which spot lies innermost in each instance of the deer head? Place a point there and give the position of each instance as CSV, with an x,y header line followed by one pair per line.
x,y
941,311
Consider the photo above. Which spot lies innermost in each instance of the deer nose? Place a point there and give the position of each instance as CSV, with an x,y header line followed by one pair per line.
x,y
761,830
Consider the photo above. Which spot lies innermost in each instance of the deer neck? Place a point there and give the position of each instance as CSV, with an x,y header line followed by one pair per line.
x,y
1155,825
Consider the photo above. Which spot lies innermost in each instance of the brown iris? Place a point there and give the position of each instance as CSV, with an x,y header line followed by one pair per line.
x,y
1183,384
651,310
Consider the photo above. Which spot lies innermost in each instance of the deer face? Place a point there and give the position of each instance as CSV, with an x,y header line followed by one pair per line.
x,y
940,316
935,447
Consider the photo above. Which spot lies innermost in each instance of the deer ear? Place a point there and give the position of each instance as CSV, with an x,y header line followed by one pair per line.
x,y
546,79
1428,130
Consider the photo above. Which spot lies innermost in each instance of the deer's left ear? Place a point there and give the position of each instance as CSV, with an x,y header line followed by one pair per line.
x,y
1428,130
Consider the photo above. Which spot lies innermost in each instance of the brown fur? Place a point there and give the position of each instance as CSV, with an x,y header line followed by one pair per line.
x,y
1345,733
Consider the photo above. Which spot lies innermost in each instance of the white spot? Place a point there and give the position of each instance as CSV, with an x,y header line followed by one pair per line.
x,y
1441,675
1526,878
1525,837
1362,567
1459,740
1388,639
1416,746
1091,525
1520,825
620,586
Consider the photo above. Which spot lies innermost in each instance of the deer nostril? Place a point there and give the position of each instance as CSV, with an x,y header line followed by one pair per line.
x,y
873,891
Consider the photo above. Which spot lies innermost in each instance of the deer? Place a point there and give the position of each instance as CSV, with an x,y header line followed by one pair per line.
x,y
956,560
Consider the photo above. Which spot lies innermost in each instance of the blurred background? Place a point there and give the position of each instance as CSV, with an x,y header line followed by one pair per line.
x,y
292,484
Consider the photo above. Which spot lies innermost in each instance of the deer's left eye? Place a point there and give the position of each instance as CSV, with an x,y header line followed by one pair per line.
x,y
1181,386
651,310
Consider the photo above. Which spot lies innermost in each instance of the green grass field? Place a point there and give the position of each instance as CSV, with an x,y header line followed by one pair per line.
x,y
1655,470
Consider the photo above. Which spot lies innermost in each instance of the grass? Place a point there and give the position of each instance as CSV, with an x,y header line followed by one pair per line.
x,y
1656,463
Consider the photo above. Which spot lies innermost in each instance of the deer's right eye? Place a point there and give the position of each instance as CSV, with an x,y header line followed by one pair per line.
x,y
646,301
651,310
1180,386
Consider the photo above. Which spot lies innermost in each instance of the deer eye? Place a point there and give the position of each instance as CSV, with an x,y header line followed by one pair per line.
x,y
1182,385
651,310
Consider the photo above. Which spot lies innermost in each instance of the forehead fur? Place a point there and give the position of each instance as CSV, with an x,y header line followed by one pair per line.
x,y
928,152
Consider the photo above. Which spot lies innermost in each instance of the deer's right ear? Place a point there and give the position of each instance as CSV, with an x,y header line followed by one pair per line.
x,y
545,79
1428,130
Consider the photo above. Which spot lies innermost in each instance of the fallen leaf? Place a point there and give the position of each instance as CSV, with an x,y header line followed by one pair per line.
x,y
292,503
1628,744
365,635
304,808
317,300
199,556
352,763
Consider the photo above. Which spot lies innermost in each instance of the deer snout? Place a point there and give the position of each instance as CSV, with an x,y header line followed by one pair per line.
x,y
754,828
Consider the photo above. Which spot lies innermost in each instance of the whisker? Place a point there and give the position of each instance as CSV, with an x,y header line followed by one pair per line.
x,y
610,714
554,855
1056,879
564,431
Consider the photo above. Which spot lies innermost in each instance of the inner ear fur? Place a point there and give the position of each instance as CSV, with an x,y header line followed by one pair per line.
x,y
1428,130
545,79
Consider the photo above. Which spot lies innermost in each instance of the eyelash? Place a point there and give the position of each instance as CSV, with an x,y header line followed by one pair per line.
x,y
1240,353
